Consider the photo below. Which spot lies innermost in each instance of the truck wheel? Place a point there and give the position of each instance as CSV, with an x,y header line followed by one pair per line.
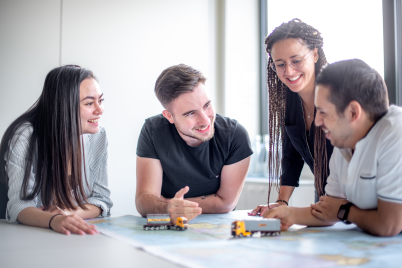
x,y
157,228
152,228
147,228
240,235
178,228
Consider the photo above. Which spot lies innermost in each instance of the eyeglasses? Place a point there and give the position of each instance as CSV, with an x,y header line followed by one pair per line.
x,y
295,63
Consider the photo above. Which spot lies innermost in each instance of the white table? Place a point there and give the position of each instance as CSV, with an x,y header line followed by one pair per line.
x,y
25,246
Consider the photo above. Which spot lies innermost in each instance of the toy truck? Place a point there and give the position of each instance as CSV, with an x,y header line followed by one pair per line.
x,y
162,222
250,226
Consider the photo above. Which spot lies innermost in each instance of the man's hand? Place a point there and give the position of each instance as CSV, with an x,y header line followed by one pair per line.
x,y
72,224
327,208
284,213
261,209
179,207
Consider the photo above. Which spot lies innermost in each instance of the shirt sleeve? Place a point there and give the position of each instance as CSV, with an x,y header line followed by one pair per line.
x,y
100,192
145,145
15,168
389,167
333,187
292,163
240,148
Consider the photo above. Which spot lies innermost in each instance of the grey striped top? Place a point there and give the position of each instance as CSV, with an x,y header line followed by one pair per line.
x,y
95,148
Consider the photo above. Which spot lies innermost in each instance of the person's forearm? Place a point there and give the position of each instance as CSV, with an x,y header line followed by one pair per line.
x,y
151,204
303,216
91,212
213,203
35,217
285,192
372,222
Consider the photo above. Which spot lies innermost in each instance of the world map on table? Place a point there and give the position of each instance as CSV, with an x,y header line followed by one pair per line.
x,y
208,243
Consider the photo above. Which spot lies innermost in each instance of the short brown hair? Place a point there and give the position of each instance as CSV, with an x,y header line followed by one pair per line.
x,y
176,80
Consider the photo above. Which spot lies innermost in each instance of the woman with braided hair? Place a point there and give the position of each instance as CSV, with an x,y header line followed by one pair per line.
x,y
295,58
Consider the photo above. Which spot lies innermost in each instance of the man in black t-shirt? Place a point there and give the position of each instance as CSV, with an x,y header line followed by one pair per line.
x,y
189,150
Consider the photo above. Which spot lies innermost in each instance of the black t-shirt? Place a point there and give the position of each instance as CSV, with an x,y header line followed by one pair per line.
x,y
197,167
298,144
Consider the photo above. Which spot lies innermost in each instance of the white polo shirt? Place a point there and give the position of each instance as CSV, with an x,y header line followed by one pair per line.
x,y
375,169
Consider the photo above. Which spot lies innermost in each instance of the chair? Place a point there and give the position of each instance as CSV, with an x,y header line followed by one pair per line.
x,y
3,200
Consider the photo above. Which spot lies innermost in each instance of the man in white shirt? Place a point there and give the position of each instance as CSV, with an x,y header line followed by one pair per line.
x,y
365,182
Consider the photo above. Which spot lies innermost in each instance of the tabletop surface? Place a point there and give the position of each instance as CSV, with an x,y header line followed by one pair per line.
x,y
25,246
207,243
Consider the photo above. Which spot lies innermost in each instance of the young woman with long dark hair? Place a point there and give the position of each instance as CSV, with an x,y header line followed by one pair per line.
x,y
295,58
55,156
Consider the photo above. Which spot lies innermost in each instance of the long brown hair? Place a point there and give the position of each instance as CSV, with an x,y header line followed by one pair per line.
x,y
277,104
55,144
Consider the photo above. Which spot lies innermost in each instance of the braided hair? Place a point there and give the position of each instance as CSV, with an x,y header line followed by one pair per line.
x,y
277,104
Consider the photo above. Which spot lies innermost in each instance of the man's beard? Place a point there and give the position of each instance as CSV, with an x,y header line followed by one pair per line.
x,y
202,139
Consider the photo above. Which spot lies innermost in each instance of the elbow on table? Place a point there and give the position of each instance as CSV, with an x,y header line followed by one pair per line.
x,y
140,208
387,231
227,207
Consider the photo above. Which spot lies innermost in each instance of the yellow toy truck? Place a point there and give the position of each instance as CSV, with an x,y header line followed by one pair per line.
x,y
250,226
162,222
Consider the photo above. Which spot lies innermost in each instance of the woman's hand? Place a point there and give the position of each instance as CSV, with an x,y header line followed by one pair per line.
x,y
67,224
260,210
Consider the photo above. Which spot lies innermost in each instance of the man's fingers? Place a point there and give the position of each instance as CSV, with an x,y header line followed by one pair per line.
x,y
189,216
184,210
269,213
187,203
182,203
263,210
284,227
189,213
317,214
180,194
316,207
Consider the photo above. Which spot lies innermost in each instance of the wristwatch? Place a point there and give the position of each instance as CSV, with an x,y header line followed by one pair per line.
x,y
344,212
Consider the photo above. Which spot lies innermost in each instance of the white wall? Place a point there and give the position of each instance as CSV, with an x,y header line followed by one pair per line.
x,y
127,44
29,48
242,63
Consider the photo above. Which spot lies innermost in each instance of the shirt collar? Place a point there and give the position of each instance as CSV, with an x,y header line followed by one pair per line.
x,y
346,153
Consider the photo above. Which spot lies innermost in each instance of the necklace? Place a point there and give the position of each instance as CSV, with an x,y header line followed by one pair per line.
x,y
308,113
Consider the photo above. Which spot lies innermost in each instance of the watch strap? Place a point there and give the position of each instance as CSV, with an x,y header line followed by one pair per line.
x,y
346,209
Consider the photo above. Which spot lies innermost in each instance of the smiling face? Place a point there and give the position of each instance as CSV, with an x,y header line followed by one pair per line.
x,y
337,127
193,115
91,106
289,50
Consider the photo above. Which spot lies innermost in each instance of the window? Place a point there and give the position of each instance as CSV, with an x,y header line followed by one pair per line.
x,y
351,29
